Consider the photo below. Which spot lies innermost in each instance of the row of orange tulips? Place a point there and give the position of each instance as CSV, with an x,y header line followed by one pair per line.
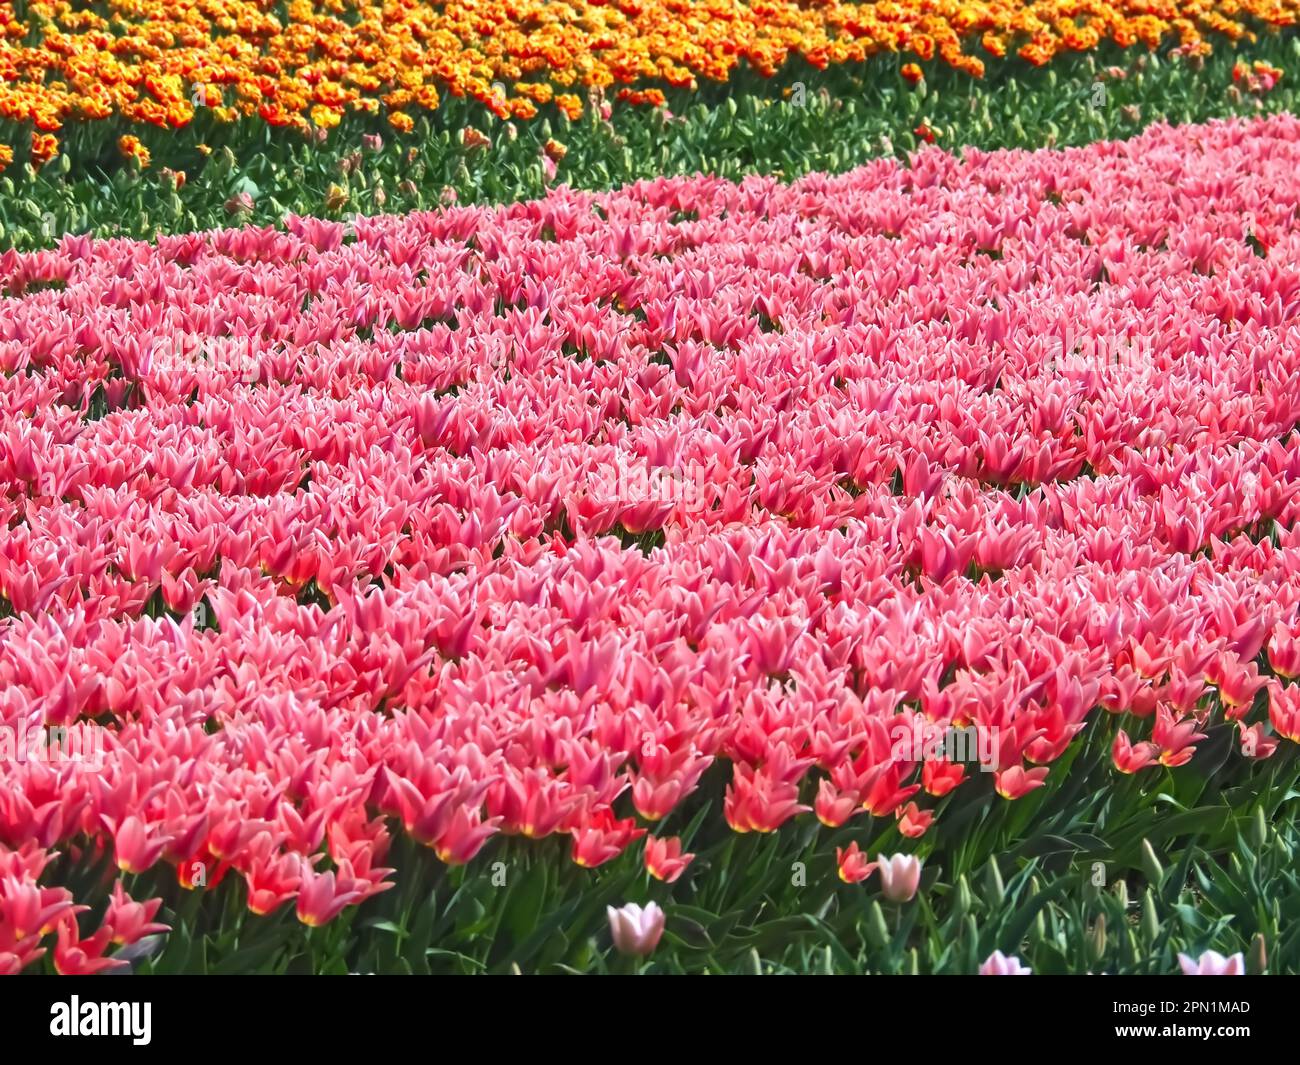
x,y
159,63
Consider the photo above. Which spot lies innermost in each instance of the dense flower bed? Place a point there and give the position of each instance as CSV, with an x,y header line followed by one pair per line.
x,y
516,520
153,64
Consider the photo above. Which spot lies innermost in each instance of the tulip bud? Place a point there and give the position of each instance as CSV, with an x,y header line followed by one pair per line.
x,y
1258,955
1097,939
1131,953
877,929
1150,919
963,902
1121,892
1260,829
997,890
1151,864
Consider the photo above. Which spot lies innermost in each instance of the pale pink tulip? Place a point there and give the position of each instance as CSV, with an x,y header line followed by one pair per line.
x,y
900,876
635,930
1212,963
999,964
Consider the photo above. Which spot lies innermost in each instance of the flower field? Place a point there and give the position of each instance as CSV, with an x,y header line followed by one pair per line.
x,y
820,555
303,65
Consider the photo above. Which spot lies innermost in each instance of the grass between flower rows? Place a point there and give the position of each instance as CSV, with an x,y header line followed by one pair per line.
x,y
1093,873
212,174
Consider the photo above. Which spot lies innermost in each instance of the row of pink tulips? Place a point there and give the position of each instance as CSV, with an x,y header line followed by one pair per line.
x,y
471,522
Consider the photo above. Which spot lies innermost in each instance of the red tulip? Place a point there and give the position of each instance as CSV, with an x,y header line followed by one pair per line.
x,y
1284,710
664,859
833,807
1130,757
322,896
913,821
1176,739
939,777
853,864
130,921
1018,781
600,837
82,957
137,846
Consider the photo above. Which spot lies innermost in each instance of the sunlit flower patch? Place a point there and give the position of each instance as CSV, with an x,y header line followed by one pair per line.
x,y
869,491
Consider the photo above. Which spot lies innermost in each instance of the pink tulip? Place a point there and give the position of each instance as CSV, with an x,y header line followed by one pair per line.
x,y
240,203
999,964
322,896
835,808
1129,757
1212,963
900,876
636,931
129,921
